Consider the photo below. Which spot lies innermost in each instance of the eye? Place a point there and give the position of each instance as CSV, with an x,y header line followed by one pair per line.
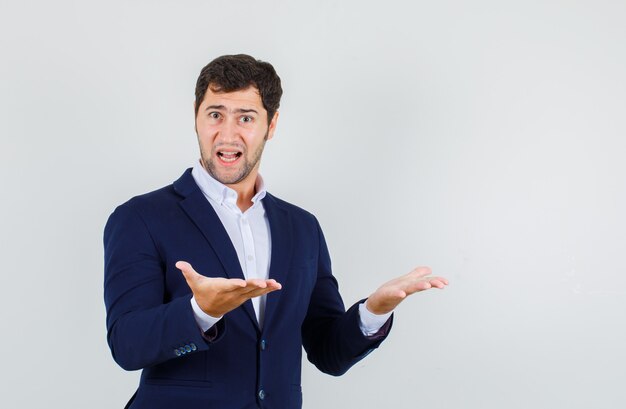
x,y
214,115
246,119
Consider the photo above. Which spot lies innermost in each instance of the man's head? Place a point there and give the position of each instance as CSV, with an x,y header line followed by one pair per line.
x,y
230,73
236,111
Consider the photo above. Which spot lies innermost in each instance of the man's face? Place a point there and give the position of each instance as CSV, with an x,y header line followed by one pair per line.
x,y
232,129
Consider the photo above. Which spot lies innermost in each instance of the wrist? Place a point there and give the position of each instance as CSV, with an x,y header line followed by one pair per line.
x,y
375,308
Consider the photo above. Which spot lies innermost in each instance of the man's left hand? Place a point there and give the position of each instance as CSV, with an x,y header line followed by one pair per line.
x,y
393,292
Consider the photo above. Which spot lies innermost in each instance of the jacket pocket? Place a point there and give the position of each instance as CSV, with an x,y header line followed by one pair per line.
x,y
178,382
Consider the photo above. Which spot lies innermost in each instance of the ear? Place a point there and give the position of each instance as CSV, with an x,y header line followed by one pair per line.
x,y
195,118
272,126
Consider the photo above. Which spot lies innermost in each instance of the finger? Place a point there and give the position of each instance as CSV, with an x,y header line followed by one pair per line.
x,y
420,272
188,272
442,279
184,266
424,285
251,285
393,293
416,286
259,292
437,282
254,284
400,294
270,286
274,284
228,284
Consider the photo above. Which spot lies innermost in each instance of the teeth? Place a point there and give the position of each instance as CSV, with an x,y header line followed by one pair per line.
x,y
228,156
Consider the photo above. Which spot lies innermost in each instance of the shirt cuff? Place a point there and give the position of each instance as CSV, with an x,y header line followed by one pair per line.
x,y
204,320
369,322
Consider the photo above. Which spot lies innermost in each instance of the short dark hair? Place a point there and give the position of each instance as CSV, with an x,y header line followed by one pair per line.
x,y
230,73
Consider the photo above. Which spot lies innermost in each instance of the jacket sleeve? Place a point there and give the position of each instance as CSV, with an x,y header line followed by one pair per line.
x,y
331,335
142,329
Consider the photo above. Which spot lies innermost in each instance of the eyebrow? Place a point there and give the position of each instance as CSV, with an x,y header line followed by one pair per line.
x,y
238,110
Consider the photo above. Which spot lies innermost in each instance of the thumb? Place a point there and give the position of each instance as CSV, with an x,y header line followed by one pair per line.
x,y
191,276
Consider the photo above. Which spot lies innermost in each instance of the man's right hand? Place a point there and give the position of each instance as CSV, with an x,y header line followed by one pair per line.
x,y
217,296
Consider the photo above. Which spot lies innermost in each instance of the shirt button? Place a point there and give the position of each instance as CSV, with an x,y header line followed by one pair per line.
x,y
261,394
250,258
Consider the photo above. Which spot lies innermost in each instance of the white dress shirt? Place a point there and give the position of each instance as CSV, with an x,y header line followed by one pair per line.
x,y
250,234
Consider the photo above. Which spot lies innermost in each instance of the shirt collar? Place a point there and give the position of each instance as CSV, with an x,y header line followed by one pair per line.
x,y
220,193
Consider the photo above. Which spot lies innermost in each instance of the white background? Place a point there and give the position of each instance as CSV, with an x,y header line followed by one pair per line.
x,y
482,138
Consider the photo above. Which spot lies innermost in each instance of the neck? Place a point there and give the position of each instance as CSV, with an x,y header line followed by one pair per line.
x,y
246,189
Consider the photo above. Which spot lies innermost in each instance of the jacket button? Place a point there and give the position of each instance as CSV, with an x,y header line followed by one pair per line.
x,y
263,344
261,394
193,346
177,352
187,348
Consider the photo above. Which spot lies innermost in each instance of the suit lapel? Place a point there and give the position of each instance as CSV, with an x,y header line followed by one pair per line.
x,y
281,233
200,211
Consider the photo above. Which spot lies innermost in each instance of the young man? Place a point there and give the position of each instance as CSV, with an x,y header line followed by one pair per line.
x,y
212,285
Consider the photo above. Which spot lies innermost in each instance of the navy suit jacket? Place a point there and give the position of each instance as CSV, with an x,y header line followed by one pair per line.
x,y
236,364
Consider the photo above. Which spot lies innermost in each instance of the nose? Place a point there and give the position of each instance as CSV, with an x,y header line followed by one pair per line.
x,y
228,131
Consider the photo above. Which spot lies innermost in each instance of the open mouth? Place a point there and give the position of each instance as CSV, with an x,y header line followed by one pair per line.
x,y
229,156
